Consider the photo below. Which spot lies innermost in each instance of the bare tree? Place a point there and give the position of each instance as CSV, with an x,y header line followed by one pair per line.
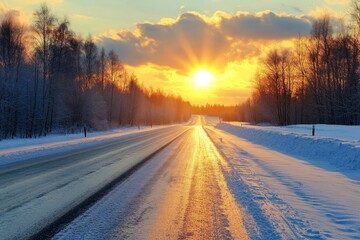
x,y
90,62
355,15
115,73
11,60
44,25
58,81
301,67
278,77
102,69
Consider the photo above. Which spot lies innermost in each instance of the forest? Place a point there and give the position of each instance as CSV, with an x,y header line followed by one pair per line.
x,y
315,81
226,113
53,80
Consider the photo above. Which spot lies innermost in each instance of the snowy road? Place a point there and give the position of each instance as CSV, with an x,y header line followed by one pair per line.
x,y
179,194
34,193
205,184
189,191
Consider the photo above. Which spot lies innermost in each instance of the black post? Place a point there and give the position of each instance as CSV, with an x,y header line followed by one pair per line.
x,y
313,130
84,131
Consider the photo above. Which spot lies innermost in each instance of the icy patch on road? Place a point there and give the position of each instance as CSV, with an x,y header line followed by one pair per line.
x,y
338,148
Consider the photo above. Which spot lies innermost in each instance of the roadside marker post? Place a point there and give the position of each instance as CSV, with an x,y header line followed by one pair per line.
x,y
313,130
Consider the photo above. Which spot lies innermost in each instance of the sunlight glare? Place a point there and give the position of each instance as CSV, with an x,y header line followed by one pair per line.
x,y
203,78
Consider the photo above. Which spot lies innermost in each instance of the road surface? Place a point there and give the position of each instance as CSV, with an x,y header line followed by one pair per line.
x,y
180,194
197,182
185,189
35,192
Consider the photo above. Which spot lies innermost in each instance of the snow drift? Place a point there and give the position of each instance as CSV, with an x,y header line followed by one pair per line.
x,y
342,153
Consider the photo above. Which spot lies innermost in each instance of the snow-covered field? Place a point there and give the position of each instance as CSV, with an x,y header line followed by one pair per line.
x,y
13,150
335,144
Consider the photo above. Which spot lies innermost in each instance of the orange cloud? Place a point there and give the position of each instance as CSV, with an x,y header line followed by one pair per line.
x,y
16,14
193,39
167,53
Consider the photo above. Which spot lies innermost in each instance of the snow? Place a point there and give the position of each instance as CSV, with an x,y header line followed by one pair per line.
x,y
321,130
338,145
289,182
14,150
36,192
180,193
106,215
282,196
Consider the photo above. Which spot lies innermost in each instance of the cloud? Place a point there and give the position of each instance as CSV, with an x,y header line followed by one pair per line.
x,y
18,6
194,40
265,25
166,54
182,9
18,15
187,41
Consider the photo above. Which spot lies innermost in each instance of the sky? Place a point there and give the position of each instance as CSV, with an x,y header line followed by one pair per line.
x,y
165,42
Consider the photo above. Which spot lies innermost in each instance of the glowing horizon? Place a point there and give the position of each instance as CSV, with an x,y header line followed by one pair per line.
x,y
165,46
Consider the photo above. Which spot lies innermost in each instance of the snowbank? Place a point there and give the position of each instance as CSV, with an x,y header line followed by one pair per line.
x,y
339,145
14,150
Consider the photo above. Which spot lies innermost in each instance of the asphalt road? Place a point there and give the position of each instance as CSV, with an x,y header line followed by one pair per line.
x,y
36,192
175,183
180,194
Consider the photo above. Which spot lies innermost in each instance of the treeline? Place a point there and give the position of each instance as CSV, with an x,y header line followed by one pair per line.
x,y
226,113
52,79
317,81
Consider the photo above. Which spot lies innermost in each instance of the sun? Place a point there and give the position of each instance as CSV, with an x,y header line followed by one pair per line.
x,y
203,78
